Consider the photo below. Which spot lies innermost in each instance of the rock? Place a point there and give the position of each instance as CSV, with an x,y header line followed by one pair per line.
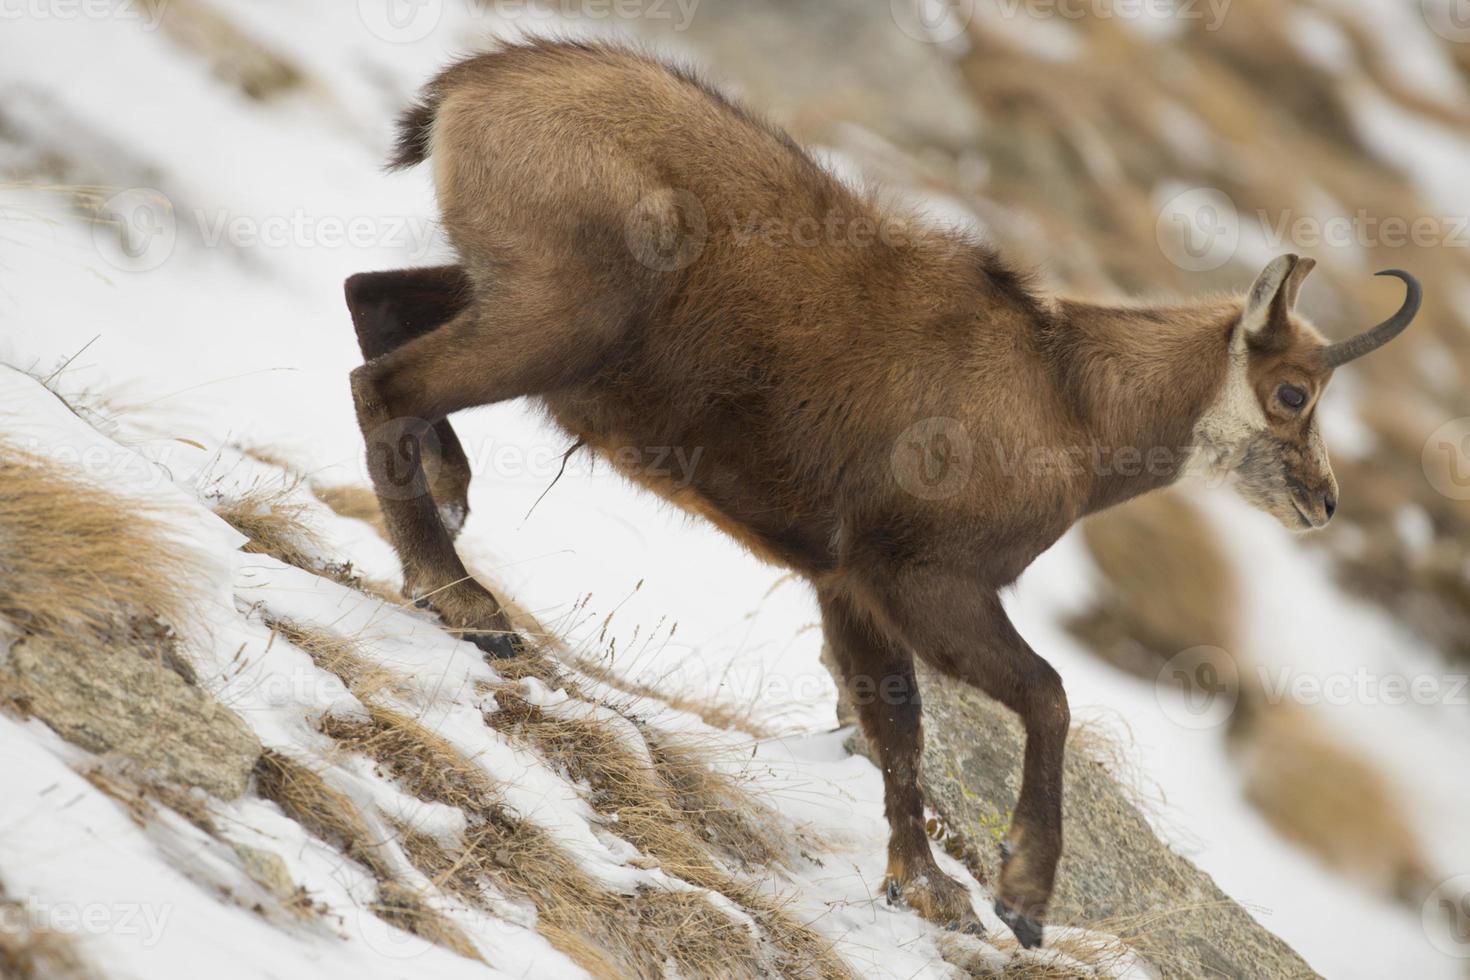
x,y
794,59
109,698
1116,876
268,870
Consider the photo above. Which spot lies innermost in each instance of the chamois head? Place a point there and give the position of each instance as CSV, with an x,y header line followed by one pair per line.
x,y
1264,426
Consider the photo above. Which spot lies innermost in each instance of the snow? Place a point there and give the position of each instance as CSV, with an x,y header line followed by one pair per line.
x,y
231,329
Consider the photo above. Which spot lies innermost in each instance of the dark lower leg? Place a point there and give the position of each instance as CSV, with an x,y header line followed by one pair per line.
x,y
388,310
432,571
962,630
879,677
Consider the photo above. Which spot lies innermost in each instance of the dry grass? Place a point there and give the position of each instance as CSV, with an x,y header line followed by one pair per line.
x,y
692,822
342,656
81,564
276,524
357,503
331,817
607,934
723,715
29,951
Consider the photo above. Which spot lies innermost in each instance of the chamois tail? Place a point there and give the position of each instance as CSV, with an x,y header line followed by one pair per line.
x,y
415,127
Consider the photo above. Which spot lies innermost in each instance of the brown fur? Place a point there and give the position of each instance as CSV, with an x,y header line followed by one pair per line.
x,y
885,408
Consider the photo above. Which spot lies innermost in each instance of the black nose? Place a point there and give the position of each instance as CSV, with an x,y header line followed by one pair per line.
x,y
1330,502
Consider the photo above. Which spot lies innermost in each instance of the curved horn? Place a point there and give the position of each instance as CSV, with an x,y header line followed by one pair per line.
x,y
1370,340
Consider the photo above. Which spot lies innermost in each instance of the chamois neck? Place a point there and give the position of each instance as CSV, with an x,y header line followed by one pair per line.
x,y
1137,379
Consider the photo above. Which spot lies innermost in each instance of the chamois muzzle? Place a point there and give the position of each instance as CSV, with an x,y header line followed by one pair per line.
x,y
1370,340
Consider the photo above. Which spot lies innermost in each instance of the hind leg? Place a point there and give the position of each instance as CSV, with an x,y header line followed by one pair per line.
x,y
528,337
388,310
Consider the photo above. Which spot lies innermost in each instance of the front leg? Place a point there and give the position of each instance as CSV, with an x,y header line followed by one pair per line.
x,y
960,628
879,677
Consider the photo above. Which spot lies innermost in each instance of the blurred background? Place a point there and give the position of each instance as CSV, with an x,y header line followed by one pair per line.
x,y
184,184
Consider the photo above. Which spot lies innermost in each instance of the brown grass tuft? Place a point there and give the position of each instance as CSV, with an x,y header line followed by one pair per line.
x,y
276,525
607,934
342,656
331,816
691,827
357,503
29,951
81,564
722,715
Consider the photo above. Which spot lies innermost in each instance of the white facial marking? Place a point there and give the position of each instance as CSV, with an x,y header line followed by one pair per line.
x,y
1228,425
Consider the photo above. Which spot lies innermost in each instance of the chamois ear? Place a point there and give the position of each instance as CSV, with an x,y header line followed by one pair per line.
x,y
1264,320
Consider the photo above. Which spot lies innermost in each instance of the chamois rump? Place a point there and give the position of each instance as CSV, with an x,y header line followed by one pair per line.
x,y
887,409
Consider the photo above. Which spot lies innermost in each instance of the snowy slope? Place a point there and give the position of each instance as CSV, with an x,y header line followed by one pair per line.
x,y
229,326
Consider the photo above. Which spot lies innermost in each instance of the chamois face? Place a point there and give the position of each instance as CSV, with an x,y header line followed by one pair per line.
x,y
1283,468
1263,428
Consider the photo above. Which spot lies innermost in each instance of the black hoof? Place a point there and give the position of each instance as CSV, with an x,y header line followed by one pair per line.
x,y
497,646
1027,929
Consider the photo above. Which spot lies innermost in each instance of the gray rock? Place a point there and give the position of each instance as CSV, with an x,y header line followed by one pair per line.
x,y
1116,876
110,698
795,60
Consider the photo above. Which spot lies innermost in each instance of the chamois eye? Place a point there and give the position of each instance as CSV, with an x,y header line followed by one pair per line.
x,y
1291,396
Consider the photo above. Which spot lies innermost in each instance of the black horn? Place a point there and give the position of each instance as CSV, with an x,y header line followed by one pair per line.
x,y
1370,340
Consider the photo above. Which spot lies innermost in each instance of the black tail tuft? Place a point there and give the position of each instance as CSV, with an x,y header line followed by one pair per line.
x,y
414,128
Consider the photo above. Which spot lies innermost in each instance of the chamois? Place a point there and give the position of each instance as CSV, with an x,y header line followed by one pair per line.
x,y
885,408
